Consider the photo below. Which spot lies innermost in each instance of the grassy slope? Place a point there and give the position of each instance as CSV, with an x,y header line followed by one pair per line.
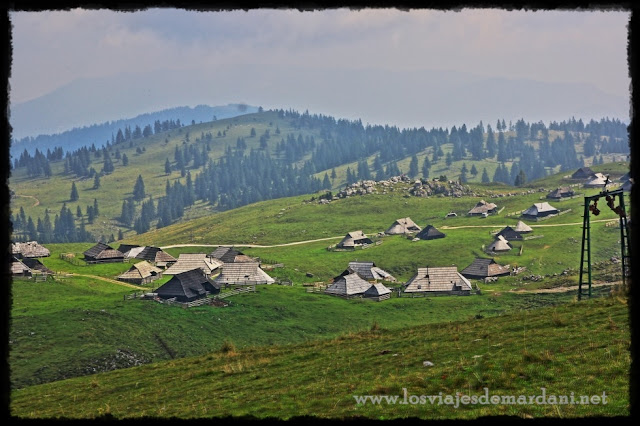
x,y
581,348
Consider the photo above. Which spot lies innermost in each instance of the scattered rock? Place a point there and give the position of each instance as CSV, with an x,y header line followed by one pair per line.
x,y
427,364
384,352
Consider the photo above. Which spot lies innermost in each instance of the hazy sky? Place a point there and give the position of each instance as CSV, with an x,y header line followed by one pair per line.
x,y
51,49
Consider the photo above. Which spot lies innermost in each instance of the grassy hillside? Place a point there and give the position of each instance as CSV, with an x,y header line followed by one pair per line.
x,y
580,348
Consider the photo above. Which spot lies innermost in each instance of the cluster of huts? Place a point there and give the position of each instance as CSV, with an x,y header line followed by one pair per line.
x,y
403,226
593,179
503,238
25,262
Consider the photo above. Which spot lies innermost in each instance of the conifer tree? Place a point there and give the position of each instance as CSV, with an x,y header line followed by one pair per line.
x,y
138,189
74,192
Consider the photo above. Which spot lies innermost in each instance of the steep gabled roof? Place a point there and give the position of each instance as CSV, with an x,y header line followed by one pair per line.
x,y
564,191
482,207
134,252
437,279
510,234
368,271
189,261
348,285
430,233
522,227
103,251
17,267
36,265
500,244
539,208
403,226
155,254
597,180
243,273
377,289
30,249
353,238
125,248
141,270
482,268
189,284
582,172
230,255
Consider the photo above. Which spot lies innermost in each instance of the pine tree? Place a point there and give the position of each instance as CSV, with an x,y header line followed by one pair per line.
x,y
474,171
463,177
448,159
333,173
120,235
95,207
74,192
326,183
521,179
125,160
96,181
78,213
426,165
138,189
485,176
167,167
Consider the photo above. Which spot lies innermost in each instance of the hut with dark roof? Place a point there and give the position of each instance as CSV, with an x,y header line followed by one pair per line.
x,y
539,210
483,208
582,173
354,239
30,249
561,193
510,234
430,233
188,286
348,286
141,273
36,266
102,253
482,268
125,248
230,255
368,271
438,280
18,268
377,292
189,261
403,226
243,274
156,256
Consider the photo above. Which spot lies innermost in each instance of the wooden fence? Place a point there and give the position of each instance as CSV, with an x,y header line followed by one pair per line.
x,y
225,294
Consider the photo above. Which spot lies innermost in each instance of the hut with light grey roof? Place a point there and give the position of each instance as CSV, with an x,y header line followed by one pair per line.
x,y
438,280
243,274
403,226
189,261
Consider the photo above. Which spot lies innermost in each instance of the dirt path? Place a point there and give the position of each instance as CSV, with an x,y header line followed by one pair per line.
x,y
37,202
252,245
109,280
533,226
563,289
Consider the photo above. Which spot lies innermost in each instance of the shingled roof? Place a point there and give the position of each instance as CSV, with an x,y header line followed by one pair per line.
x,y
29,249
598,180
19,268
354,238
189,261
582,173
187,286
103,251
155,255
438,279
125,248
482,207
243,273
560,193
36,265
483,268
376,290
499,244
230,255
522,227
510,234
403,226
141,270
348,285
368,271
540,209
430,233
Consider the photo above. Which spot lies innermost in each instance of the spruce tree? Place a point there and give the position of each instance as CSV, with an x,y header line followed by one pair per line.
x,y
474,171
167,167
485,176
78,213
413,166
120,234
96,181
125,160
138,189
74,192
326,183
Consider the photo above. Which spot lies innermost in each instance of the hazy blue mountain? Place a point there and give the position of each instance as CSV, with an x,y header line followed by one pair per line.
x,y
101,133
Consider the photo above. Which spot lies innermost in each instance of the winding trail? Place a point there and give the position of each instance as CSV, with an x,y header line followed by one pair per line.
x,y
109,280
37,203
252,245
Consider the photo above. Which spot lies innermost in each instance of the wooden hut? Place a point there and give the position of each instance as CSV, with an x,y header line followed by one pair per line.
x,y
141,273
597,181
189,261
18,268
156,256
582,173
510,234
482,268
403,226
539,210
354,239
522,228
126,250
430,233
36,266
561,193
377,292
243,274
30,249
230,255
188,286
482,208
368,271
500,244
626,186
347,286
439,280
102,253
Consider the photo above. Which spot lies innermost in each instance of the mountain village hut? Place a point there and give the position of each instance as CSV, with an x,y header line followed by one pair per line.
x,y
482,268
29,249
126,250
230,255
188,286
483,208
347,286
561,193
189,261
626,186
19,269
36,266
539,210
430,233
243,274
403,226
368,271
156,256
597,181
582,173
102,253
354,239
141,273
523,228
510,234
500,244
439,280
377,292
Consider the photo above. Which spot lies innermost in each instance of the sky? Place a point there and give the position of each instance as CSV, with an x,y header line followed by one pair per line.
x,y
52,49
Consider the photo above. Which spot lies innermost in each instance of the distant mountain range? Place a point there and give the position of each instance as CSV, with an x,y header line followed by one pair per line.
x,y
99,134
